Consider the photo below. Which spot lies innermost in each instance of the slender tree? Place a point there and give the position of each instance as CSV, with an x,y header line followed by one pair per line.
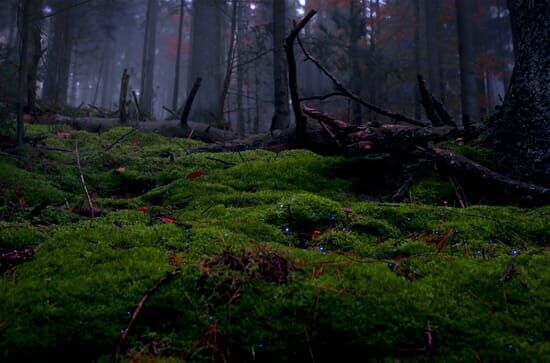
x,y
148,64
175,99
432,35
468,80
281,117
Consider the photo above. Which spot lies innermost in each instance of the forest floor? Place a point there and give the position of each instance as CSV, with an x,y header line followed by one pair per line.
x,y
288,256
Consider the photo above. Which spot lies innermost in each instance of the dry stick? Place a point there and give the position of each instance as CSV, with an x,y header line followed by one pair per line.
x,y
345,92
140,117
435,110
82,181
170,111
119,140
138,308
189,101
301,127
322,97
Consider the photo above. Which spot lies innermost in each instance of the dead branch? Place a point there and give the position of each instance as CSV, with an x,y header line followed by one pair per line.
x,y
301,127
138,309
119,140
435,110
140,114
189,101
462,165
82,180
346,93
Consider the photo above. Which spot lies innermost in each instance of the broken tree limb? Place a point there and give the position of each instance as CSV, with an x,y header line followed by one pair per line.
x,y
170,275
140,114
301,127
82,180
189,101
343,91
462,165
124,82
435,110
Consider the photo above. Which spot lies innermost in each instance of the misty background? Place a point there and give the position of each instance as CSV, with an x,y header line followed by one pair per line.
x,y
80,49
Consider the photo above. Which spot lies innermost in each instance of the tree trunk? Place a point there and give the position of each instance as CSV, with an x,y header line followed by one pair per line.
x,y
206,58
59,53
432,32
468,81
34,29
521,131
230,61
148,66
175,99
417,58
355,81
281,117
25,11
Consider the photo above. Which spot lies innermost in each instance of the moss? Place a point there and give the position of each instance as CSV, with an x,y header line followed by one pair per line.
x,y
366,286
432,191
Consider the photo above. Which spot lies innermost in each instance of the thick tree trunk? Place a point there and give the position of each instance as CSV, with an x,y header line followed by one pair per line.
x,y
468,81
59,53
281,118
521,131
207,58
432,35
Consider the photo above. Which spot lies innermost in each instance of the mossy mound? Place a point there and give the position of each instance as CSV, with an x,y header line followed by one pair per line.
x,y
278,260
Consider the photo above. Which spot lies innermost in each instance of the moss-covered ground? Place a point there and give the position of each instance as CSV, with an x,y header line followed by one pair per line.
x,y
280,260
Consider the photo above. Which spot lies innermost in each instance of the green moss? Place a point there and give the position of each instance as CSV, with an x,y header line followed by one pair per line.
x,y
339,300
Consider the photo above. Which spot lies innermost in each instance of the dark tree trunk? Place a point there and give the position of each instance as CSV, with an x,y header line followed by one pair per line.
x,y
25,12
34,29
521,131
468,81
281,118
59,53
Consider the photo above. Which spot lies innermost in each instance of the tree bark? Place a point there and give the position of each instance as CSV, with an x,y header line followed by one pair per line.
x,y
521,131
24,17
281,117
148,66
432,32
207,58
123,100
468,81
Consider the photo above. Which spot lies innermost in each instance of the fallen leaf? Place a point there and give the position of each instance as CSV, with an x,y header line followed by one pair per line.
x,y
143,209
166,220
121,170
194,175
62,134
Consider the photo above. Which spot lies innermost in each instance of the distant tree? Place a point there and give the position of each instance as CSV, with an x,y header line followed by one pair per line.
x,y
175,96
468,80
149,55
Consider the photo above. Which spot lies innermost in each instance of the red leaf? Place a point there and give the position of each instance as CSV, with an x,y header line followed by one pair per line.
x,y
143,209
194,175
166,220
315,235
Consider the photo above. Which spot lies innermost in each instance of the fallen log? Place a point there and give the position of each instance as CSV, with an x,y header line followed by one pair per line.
x,y
172,128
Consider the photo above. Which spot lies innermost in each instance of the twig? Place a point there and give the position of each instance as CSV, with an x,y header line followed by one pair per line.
x,y
82,180
119,140
138,309
170,112
220,161
322,97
